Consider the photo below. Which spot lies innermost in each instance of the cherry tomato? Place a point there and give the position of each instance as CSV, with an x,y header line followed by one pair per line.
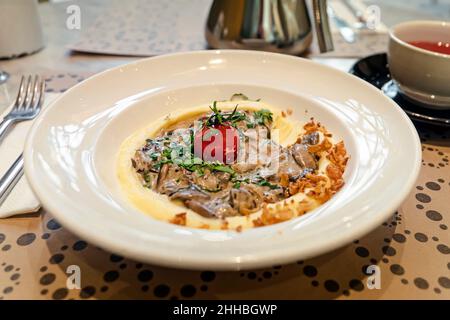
x,y
217,143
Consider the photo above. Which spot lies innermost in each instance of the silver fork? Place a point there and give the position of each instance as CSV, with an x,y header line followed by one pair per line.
x,y
27,105
25,109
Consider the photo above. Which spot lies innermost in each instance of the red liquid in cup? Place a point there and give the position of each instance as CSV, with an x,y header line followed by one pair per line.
x,y
440,47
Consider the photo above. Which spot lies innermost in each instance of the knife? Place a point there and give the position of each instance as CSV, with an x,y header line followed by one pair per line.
x,y
10,179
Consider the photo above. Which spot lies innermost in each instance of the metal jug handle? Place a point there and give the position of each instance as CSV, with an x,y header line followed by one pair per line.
x,y
322,24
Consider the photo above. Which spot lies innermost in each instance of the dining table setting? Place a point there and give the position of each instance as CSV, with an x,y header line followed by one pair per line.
x,y
92,80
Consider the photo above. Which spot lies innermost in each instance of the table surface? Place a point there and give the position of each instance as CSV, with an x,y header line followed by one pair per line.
x,y
411,249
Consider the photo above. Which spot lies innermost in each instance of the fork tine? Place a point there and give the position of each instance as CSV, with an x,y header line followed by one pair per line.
x,y
36,86
18,101
26,100
41,96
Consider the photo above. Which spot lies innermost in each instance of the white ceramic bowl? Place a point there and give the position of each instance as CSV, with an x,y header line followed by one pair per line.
x,y
71,152
421,75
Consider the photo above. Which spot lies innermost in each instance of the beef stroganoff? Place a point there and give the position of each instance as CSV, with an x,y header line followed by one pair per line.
x,y
233,164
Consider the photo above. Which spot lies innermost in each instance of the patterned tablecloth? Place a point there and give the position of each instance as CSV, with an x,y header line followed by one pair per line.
x,y
411,250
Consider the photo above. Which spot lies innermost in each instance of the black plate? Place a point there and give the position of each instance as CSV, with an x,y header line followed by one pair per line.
x,y
375,70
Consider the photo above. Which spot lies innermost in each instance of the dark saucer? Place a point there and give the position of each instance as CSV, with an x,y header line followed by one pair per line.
x,y
375,70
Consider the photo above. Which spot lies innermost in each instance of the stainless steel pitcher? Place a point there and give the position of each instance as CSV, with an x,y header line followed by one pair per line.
x,y
282,26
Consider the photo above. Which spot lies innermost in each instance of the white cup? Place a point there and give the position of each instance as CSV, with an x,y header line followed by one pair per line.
x,y
20,28
421,75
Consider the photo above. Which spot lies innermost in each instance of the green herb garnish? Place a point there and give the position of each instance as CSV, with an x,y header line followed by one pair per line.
x,y
239,181
265,183
263,116
219,118
236,117
155,156
237,185
148,180
167,153
222,168
198,165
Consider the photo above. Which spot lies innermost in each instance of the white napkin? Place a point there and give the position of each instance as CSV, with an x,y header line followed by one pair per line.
x,y
22,199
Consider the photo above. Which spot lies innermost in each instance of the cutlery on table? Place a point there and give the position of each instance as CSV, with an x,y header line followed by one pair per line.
x,y
344,27
11,178
357,13
26,107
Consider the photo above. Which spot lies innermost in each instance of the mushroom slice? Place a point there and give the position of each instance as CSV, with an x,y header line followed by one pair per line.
x,y
217,208
303,157
162,176
288,165
224,210
247,199
190,193
142,161
211,181
170,179
243,167
200,208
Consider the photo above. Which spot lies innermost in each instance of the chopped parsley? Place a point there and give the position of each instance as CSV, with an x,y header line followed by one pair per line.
x,y
148,180
220,118
263,116
155,156
238,182
221,168
265,183
198,165
237,185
